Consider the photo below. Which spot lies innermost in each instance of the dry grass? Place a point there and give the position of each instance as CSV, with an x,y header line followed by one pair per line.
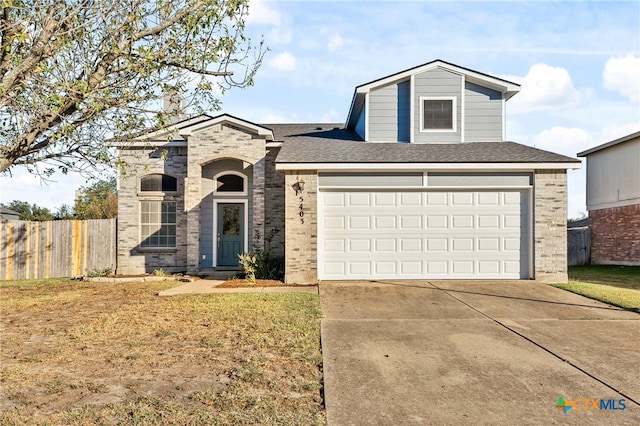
x,y
92,353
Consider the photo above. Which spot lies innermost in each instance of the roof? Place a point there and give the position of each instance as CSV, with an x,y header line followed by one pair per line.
x,y
507,88
316,150
311,131
9,212
175,133
609,144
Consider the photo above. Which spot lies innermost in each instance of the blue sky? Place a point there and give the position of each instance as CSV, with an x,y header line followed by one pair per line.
x,y
578,63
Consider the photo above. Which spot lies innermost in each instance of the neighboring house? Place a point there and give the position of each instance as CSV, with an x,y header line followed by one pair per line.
x,y
419,184
7,214
613,200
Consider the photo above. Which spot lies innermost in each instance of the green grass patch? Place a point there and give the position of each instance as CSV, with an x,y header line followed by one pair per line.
x,y
610,275
623,297
615,285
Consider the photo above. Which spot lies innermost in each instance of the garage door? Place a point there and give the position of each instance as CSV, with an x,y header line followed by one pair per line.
x,y
419,234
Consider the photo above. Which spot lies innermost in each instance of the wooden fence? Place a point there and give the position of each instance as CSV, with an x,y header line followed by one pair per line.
x,y
53,249
579,246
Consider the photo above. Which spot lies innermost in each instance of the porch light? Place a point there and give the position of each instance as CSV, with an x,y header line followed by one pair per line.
x,y
298,186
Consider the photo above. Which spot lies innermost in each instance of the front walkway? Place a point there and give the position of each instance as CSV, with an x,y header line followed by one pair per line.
x,y
410,353
211,286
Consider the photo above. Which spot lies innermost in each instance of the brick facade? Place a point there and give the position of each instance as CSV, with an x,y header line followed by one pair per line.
x,y
274,204
550,226
207,145
133,259
615,235
289,221
301,232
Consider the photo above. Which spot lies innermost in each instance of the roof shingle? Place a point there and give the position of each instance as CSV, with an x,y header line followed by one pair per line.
x,y
335,147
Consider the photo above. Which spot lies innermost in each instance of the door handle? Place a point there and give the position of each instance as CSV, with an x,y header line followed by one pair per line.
x,y
218,240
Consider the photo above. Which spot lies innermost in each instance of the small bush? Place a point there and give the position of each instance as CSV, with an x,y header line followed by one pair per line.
x,y
99,272
259,264
159,272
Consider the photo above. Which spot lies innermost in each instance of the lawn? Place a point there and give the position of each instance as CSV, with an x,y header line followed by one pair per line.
x,y
95,353
616,285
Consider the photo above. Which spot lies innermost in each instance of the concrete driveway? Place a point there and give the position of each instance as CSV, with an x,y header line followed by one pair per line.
x,y
470,352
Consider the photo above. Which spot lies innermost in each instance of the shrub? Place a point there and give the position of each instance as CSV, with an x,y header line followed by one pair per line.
x,y
99,272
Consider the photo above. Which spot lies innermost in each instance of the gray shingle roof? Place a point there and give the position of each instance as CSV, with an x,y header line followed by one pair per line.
x,y
327,147
304,131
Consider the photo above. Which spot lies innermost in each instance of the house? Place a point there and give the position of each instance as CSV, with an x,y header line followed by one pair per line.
x,y
613,200
7,214
419,183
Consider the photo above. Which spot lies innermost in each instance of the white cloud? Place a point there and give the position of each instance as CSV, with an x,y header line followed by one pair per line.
x,y
335,42
283,61
622,74
544,87
272,118
563,140
278,35
24,186
261,13
331,116
611,133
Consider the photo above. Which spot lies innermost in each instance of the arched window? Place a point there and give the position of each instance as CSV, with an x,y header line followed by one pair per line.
x,y
158,183
230,183
158,212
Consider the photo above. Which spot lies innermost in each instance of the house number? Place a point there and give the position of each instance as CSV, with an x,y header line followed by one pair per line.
x,y
301,210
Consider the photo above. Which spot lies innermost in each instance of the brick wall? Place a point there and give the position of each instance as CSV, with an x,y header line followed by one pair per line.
x,y
214,143
131,258
615,235
301,257
550,226
274,203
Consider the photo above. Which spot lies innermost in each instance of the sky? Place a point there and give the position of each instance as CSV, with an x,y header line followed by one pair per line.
x,y
578,64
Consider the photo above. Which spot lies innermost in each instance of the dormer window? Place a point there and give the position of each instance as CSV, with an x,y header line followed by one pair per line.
x,y
438,114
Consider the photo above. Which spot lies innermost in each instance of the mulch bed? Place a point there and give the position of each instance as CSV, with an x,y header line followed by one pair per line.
x,y
237,283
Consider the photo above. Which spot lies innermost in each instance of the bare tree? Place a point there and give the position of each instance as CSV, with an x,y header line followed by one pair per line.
x,y
76,72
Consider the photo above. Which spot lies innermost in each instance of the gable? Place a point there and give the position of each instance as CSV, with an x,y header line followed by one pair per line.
x,y
506,88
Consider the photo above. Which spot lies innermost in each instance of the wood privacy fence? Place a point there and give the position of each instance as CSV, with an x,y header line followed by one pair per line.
x,y
53,249
579,246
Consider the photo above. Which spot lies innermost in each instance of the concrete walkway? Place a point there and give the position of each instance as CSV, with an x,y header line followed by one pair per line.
x,y
452,353
211,286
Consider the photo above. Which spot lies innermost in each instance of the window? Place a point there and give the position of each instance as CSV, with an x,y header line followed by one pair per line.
x,y
158,224
230,183
158,183
438,114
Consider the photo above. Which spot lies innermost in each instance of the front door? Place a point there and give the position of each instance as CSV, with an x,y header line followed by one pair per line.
x,y
230,233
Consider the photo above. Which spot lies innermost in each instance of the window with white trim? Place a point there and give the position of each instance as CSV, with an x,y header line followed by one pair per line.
x,y
438,114
230,183
158,224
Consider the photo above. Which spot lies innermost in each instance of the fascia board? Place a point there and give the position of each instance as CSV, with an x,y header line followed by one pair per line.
x,y
495,83
259,130
429,166
606,145
159,134
150,144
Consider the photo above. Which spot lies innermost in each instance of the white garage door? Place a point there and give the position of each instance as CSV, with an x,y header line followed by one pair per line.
x,y
420,234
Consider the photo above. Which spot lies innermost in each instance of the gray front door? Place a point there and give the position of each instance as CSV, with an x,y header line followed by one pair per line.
x,y
230,233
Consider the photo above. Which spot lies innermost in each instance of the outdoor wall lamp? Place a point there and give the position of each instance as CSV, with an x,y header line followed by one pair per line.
x,y
298,186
